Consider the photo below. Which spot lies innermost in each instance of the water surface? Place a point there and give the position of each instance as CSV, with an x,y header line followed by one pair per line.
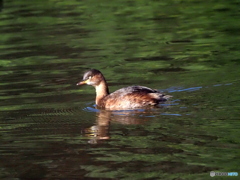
x,y
50,127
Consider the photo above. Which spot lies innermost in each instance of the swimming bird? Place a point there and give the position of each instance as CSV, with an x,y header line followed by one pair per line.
x,y
131,97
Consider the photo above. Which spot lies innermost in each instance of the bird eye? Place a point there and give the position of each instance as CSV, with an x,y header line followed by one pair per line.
x,y
89,77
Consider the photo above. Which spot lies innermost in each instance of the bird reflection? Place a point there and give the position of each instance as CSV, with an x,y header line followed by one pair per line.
x,y
100,131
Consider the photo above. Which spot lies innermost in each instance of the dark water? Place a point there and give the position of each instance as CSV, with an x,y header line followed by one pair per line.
x,y
51,129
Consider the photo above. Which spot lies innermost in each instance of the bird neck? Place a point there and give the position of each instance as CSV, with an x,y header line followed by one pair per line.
x,y
101,91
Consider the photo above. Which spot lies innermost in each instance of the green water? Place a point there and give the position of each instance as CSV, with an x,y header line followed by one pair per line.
x,y
49,127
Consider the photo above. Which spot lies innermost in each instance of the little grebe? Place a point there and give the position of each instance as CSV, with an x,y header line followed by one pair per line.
x,y
126,98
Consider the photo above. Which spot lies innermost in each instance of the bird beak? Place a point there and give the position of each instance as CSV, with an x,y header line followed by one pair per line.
x,y
82,82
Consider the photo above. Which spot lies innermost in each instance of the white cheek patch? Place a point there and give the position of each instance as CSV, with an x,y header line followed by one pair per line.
x,y
89,83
